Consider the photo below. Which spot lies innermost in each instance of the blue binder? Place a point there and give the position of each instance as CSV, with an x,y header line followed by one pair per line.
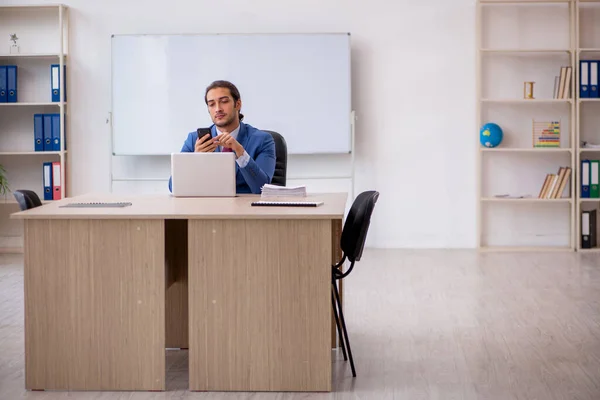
x,y
47,181
584,79
55,82
48,132
3,84
585,178
11,83
55,132
38,131
594,71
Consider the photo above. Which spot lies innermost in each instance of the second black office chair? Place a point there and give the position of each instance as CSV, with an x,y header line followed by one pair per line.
x,y
27,199
354,235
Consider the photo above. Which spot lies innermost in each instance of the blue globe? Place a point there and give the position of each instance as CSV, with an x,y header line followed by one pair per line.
x,y
490,135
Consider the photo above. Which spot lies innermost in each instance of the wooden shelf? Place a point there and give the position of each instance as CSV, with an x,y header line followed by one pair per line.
x,y
525,101
31,6
47,29
537,55
525,51
524,150
32,153
25,104
501,2
39,56
588,21
525,200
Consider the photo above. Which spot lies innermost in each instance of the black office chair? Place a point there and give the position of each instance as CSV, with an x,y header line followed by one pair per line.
x,y
27,199
354,235
279,177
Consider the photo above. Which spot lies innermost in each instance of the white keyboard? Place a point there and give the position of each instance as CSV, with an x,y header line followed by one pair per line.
x,y
96,205
275,203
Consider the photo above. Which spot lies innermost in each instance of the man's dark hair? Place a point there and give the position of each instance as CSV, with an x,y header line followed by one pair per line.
x,y
235,93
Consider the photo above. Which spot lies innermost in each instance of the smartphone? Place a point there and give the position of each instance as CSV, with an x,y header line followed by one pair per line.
x,y
203,132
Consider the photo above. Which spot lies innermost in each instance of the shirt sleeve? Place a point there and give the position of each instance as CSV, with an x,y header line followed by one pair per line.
x,y
242,161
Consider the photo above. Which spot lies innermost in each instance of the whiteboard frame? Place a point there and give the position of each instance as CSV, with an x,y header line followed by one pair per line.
x,y
352,116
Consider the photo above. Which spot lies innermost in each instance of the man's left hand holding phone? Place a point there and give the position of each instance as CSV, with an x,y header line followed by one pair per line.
x,y
204,143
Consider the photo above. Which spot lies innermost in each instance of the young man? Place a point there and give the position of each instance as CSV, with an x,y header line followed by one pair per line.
x,y
254,149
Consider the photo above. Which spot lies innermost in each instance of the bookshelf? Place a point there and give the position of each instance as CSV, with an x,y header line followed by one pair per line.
x,y
519,42
587,18
43,40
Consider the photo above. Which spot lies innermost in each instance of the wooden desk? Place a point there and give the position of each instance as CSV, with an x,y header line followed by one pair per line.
x,y
107,289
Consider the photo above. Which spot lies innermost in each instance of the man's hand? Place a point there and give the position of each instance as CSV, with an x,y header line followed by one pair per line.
x,y
226,140
205,144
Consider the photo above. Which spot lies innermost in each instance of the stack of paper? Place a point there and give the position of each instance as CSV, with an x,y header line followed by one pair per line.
x,y
269,190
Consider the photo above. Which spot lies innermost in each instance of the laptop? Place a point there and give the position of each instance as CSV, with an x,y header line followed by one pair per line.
x,y
203,174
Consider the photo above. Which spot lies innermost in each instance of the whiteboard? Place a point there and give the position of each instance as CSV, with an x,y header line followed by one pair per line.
x,y
294,84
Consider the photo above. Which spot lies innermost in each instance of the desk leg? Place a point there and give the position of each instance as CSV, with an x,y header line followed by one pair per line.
x,y
176,313
336,256
260,305
94,305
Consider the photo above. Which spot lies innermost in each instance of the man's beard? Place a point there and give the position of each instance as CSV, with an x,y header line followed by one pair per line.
x,y
225,123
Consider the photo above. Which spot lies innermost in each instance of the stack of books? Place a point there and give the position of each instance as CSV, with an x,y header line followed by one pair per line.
x,y
562,84
554,184
270,191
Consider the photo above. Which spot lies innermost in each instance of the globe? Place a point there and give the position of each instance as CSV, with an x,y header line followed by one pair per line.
x,y
490,135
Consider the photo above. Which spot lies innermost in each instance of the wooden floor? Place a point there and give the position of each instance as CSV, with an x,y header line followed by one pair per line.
x,y
423,325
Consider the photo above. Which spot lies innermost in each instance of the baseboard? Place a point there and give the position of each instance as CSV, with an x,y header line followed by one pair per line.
x,y
423,241
11,244
11,250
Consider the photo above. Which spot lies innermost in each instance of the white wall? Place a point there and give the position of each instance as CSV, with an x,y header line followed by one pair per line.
x,y
413,86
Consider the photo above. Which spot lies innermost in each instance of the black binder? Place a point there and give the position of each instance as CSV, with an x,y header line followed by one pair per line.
x,y
588,230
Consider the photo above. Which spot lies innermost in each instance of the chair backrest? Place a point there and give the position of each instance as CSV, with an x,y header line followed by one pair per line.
x,y
27,199
357,224
279,177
